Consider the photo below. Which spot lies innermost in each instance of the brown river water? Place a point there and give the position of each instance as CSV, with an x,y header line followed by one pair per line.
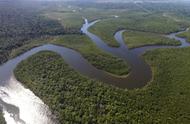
x,y
21,106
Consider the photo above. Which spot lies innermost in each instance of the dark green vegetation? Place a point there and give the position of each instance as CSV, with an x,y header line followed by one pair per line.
x,y
130,16
95,56
81,43
185,35
77,99
24,26
147,18
138,22
137,39
74,98
2,120
21,22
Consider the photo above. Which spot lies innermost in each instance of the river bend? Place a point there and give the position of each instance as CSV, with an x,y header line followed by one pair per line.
x,y
21,106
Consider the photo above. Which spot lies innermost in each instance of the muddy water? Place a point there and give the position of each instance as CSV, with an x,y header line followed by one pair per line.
x,y
21,106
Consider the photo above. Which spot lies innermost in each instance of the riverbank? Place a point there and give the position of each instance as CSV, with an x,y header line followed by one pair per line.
x,y
74,97
139,22
71,57
136,39
185,35
81,43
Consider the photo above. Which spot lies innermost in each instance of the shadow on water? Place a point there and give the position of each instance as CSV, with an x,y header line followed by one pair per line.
x,y
140,71
138,77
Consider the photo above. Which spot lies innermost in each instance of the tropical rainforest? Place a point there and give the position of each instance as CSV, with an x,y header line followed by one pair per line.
x,y
74,98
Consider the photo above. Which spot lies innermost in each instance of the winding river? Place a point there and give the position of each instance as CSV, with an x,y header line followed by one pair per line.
x,y
21,106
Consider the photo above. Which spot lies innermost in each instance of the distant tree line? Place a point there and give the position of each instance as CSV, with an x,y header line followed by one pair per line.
x,y
21,22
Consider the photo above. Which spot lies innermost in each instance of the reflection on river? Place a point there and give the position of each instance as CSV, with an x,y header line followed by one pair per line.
x,y
21,106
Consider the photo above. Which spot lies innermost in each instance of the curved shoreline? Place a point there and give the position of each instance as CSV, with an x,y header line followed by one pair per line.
x,y
141,72
138,77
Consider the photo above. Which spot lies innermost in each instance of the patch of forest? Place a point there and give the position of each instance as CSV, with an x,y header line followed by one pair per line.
x,y
81,43
137,21
185,35
22,21
95,56
135,39
74,98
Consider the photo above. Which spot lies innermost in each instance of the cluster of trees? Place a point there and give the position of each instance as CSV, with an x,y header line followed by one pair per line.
x,y
108,63
95,56
77,99
137,21
20,22
137,39
185,35
71,97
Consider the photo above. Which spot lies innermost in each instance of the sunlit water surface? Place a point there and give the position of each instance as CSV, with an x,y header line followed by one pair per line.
x,y
21,106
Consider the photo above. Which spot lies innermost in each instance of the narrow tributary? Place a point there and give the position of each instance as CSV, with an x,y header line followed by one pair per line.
x,y
21,106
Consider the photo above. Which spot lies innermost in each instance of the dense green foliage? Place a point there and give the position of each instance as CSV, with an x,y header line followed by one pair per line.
x,y
88,49
137,39
29,22
74,98
77,99
162,18
2,119
145,17
95,56
185,35
138,21
21,22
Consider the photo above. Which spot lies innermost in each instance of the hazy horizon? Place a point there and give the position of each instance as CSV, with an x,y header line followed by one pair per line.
x,y
116,1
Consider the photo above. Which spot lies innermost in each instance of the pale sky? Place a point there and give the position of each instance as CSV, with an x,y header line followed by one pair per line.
x,y
114,0
140,1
